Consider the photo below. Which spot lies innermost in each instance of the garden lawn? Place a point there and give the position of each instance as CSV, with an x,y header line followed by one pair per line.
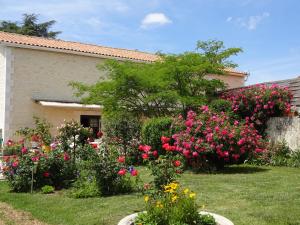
x,y
245,194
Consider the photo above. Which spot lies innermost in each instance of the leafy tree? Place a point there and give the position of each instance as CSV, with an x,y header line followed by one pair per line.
x,y
174,84
29,26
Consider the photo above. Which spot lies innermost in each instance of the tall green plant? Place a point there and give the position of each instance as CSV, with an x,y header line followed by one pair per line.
x,y
29,26
153,129
123,131
173,84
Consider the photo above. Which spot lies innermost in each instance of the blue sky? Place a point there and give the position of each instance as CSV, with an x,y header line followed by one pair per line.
x,y
267,30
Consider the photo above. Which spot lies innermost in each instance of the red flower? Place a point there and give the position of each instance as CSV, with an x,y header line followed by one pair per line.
x,y
15,164
35,138
121,159
258,150
24,150
235,156
165,139
66,156
186,153
241,141
134,173
145,148
9,143
189,123
35,158
46,174
177,163
195,154
100,134
155,153
122,172
6,158
94,145
145,156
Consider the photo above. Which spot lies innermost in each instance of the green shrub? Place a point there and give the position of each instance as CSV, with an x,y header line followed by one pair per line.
x,y
278,154
106,169
294,160
123,133
220,105
154,129
85,185
47,189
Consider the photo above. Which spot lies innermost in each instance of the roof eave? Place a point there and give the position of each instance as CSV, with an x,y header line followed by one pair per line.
x,y
34,47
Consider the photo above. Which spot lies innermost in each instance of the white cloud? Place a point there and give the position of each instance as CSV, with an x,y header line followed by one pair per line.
x,y
154,20
229,19
250,22
94,22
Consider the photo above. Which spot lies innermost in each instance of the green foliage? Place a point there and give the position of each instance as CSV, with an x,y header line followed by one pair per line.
x,y
41,131
47,189
85,185
165,168
220,105
123,133
278,154
153,129
106,169
164,171
174,84
29,26
173,206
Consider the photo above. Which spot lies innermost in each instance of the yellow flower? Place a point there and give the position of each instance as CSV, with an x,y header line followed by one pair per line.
x,y
171,187
192,195
159,205
174,186
186,191
174,198
146,198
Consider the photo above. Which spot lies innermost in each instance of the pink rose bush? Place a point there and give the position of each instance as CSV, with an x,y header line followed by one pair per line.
x,y
260,102
211,138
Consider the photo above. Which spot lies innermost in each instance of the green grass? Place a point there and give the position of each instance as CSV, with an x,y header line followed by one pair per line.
x,y
245,194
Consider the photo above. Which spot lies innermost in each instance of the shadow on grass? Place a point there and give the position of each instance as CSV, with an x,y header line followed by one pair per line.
x,y
241,170
246,169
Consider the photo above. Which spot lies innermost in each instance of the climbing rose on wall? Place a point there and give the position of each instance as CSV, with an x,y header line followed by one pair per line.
x,y
260,102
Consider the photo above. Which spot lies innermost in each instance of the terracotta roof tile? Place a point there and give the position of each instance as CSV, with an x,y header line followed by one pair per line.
x,y
76,47
24,40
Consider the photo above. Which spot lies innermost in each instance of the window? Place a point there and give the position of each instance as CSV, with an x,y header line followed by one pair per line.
x,y
93,122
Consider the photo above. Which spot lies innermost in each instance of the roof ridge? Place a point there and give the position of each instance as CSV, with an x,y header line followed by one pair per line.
x,y
76,42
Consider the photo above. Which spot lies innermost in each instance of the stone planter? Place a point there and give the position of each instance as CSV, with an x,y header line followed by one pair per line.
x,y
128,220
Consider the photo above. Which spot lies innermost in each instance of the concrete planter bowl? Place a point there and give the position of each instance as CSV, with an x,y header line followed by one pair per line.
x,y
129,220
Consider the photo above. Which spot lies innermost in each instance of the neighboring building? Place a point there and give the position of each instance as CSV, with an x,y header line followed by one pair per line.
x,y
35,73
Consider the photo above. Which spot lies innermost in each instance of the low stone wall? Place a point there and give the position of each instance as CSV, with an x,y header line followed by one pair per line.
x,y
285,128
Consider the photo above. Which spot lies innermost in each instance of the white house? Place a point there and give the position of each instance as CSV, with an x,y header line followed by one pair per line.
x,y
35,73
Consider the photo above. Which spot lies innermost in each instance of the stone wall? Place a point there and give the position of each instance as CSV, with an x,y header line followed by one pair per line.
x,y
285,128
